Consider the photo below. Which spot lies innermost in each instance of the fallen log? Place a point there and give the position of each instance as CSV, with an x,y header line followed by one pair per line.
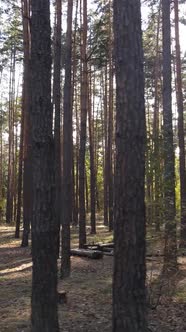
x,y
99,246
110,253
90,246
94,254
106,245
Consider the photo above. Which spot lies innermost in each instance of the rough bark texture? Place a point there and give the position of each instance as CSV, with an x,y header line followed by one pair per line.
x,y
129,300
168,150
44,225
180,129
67,151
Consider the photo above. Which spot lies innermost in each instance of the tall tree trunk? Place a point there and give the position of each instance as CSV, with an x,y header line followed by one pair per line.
x,y
27,191
169,170
106,222
20,176
92,164
1,165
129,300
180,129
110,126
10,185
57,106
67,150
157,207
44,223
84,106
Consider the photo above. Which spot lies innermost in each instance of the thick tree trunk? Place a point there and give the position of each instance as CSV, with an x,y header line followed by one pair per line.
x,y
44,223
129,300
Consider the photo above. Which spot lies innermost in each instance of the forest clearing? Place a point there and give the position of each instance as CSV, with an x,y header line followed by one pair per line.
x,y
89,289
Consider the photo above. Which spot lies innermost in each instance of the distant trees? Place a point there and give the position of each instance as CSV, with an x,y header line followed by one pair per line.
x,y
129,293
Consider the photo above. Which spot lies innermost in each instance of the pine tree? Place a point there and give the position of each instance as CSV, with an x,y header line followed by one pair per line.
x,y
44,224
129,299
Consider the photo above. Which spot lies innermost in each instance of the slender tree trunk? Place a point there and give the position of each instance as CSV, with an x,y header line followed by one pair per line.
x,y
67,150
157,205
106,150
84,106
57,106
44,223
20,175
27,190
110,126
92,165
169,169
9,205
180,129
1,165
129,300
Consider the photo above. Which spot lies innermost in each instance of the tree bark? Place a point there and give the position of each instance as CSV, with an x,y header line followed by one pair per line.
x,y
129,299
44,224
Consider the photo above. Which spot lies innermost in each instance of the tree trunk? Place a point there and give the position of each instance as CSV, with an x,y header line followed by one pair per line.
x,y
106,150
169,169
57,108
110,126
129,299
20,175
84,106
156,139
10,185
92,165
44,224
67,150
27,191
180,129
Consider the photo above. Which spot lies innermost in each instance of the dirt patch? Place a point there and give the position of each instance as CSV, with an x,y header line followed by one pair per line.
x,y
89,291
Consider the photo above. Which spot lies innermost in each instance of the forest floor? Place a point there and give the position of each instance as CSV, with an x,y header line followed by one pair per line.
x,y
89,289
